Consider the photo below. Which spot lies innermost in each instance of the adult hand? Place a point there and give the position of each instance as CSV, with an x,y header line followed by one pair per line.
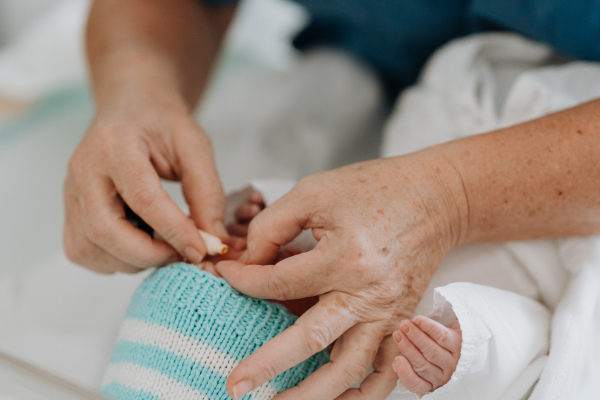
x,y
383,228
125,152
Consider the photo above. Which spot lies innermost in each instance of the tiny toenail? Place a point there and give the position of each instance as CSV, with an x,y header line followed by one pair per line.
x,y
404,327
397,337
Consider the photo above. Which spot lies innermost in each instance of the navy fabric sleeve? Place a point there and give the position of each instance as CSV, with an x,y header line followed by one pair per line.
x,y
572,27
394,37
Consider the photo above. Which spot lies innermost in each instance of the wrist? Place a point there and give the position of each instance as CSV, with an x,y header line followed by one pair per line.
x,y
124,80
452,197
150,103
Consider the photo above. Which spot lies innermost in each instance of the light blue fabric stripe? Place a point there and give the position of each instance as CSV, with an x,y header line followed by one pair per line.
x,y
182,369
208,310
121,392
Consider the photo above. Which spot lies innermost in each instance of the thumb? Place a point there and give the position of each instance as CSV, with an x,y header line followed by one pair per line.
x,y
202,187
275,226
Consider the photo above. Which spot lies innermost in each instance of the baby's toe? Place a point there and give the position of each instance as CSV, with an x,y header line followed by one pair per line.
x,y
256,198
247,211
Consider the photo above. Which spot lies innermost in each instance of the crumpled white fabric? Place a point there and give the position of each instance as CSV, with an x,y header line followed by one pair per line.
x,y
484,83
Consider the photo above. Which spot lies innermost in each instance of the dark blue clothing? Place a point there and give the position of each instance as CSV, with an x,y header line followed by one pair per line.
x,y
397,36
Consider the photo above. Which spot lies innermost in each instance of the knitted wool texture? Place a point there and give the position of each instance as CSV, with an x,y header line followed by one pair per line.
x,y
185,331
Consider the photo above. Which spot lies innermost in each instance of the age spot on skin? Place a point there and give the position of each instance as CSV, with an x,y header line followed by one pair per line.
x,y
385,251
560,193
380,212
579,132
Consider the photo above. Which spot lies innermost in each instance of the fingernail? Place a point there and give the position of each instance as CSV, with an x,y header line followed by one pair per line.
x,y
201,266
417,322
404,327
397,337
192,255
241,389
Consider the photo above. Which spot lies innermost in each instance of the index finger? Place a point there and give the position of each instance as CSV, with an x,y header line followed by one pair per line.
x,y
380,383
105,225
299,276
139,185
201,184
351,359
313,331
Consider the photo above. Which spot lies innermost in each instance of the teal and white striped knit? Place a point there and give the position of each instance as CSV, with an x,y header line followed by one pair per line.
x,y
185,331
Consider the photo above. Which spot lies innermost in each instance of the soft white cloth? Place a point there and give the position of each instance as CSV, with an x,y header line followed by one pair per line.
x,y
502,334
488,82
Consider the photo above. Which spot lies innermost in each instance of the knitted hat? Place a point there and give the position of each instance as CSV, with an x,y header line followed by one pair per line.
x,y
185,331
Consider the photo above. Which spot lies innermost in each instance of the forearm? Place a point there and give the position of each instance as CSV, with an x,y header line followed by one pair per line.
x,y
540,179
147,48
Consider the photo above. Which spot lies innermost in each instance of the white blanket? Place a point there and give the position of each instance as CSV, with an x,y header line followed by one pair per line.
x,y
491,81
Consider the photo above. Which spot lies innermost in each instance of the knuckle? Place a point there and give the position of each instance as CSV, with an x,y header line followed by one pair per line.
x,y
306,187
355,373
278,287
318,338
303,184
416,386
83,254
267,371
142,261
443,337
143,198
447,372
257,227
420,368
73,252
429,351
73,167
97,229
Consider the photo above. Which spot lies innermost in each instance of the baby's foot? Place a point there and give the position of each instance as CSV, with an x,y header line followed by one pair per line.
x,y
429,353
245,213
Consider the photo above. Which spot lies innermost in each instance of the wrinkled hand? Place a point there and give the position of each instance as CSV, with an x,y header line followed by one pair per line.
x,y
383,228
121,159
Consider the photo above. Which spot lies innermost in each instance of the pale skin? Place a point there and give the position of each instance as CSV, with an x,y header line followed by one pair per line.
x,y
383,226
428,351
